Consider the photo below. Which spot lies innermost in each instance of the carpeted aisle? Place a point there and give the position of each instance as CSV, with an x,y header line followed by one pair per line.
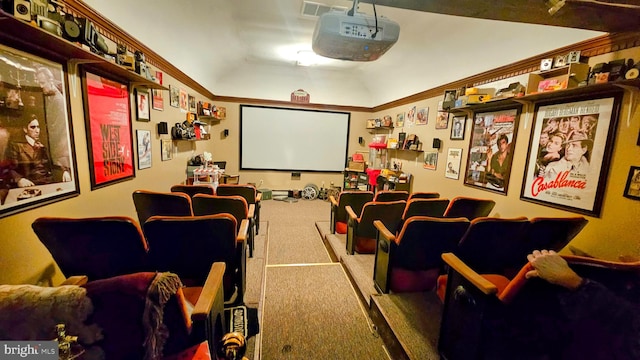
x,y
309,309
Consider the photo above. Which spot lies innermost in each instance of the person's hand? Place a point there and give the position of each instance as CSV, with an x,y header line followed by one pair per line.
x,y
66,176
550,266
24,182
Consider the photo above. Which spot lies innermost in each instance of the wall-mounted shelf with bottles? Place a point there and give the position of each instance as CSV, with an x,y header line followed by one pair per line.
x,y
28,38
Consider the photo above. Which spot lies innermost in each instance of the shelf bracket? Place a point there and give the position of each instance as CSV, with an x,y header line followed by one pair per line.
x,y
633,99
73,72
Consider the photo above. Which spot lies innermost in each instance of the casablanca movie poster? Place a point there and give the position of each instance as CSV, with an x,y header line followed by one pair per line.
x,y
109,130
569,154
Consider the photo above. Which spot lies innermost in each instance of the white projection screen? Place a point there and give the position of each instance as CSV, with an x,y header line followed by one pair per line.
x,y
292,139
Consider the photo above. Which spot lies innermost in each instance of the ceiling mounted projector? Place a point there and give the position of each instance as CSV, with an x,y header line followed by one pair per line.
x,y
349,35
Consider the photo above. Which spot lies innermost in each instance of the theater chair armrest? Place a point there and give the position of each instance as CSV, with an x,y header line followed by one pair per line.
x,y
383,231
333,201
76,280
351,215
242,233
484,285
252,211
258,197
210,293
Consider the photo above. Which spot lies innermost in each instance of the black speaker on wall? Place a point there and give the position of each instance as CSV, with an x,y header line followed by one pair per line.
x,y
436,143
163,128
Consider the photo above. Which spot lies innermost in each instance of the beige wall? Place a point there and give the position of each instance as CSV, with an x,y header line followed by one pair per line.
x,y
24,260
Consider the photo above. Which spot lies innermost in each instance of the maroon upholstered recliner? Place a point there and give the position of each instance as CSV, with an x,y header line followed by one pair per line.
x,y
361,233
411,261
355,199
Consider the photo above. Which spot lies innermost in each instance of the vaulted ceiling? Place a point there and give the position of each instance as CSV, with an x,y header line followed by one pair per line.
x,y
249,48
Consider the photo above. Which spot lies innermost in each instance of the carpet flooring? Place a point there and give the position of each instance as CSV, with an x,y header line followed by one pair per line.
x,y
309,309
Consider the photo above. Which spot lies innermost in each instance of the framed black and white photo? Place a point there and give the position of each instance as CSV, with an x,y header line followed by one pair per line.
x,y
458,127
493,136
174,96
36,135
569,152
167,149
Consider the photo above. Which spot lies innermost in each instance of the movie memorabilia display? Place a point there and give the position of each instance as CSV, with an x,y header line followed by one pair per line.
x,y
144,149
192,103
458,127
157,99
430,160
493,136
410,119
109,135
167,149
632,189
37,159
454,157
142,105
174,96
569,153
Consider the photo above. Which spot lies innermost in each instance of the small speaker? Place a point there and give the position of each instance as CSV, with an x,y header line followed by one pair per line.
x,y
163,128
436,143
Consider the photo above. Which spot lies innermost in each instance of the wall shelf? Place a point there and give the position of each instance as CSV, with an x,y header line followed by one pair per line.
x,y
28,38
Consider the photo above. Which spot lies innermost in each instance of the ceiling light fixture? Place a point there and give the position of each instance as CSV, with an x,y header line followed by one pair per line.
x,y
307,58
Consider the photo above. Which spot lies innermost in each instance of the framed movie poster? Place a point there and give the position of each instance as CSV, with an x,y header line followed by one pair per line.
x,y
144,149
442,120
37,158
493,136
142,105
430,160
109,135
157,99
569,153
458,127
454,157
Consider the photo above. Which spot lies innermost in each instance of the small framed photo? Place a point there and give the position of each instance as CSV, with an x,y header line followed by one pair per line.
x,y
167,149
458,127
442,120
632,190
142,105
400,119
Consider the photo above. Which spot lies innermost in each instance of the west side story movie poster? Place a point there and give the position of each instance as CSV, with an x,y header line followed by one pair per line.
x,y
109,127
569,154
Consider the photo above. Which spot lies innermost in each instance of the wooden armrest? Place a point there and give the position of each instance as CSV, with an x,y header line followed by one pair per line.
x,y
351,214
76,280
384,232
212,286
465,271
258,197
242,233
333,200
252,211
